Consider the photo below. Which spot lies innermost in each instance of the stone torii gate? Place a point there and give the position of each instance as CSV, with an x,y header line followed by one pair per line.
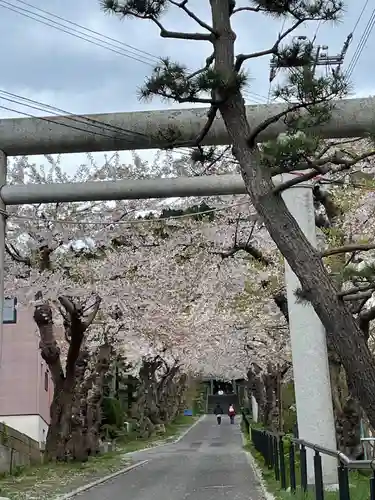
x,y
127,131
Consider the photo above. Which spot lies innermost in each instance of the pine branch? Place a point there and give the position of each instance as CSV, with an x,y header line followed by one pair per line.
x,y
210,59
317,170
248,9
211,115
181,100
241,58
273,119
151,13
177,35
182,5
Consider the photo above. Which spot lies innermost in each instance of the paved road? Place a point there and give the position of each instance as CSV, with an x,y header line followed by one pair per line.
x,y
208,463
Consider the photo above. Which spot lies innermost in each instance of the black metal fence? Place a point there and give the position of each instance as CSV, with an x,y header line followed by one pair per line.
x,y
286,456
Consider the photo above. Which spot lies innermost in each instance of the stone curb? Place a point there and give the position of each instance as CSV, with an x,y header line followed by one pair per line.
x,y
181,436
88,486
257,472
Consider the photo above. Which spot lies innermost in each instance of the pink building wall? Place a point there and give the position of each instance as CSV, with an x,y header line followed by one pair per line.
x,y
25,383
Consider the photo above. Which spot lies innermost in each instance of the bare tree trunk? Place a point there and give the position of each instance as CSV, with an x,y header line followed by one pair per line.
x,y
94,397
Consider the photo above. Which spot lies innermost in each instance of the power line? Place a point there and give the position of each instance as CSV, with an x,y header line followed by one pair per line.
x,y
124,222
362,42
150,59
90,30
77,34
80,120
60,27
360,16
49,120
363,187
15,98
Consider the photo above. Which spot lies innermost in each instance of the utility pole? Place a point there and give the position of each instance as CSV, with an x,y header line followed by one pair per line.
x,y
304,54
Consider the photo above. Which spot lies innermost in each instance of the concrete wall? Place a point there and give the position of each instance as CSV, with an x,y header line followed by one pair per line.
x,y
32,426
17,449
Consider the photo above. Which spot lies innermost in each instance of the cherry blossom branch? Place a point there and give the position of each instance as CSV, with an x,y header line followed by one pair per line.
x,y
214,161
364,319
280,299
332,210
254,252
348,248
75,327
355,289
321,166
15,255
357,305
95,308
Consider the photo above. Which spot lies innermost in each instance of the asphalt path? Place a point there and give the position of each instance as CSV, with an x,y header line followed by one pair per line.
x,y
208,463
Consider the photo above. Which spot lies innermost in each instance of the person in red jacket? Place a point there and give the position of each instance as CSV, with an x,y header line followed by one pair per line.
x,y
231,413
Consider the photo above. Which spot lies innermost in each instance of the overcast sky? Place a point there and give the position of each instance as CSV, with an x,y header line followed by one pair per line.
x,y
53,67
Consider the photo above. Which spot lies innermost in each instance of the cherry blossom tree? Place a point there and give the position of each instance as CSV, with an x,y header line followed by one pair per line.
x,y
152,283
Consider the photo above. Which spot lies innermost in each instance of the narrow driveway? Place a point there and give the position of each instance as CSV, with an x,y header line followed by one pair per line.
x,y
208,463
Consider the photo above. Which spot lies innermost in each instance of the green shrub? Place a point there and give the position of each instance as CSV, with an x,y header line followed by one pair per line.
x,y
113,413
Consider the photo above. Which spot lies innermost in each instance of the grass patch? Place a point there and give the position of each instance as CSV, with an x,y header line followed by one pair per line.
x,y
358,481
47,481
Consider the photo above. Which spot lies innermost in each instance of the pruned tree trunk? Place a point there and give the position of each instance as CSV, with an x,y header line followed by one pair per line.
x,y
66,434
265,387
255,384
94,395
168,394
145,409
76,446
